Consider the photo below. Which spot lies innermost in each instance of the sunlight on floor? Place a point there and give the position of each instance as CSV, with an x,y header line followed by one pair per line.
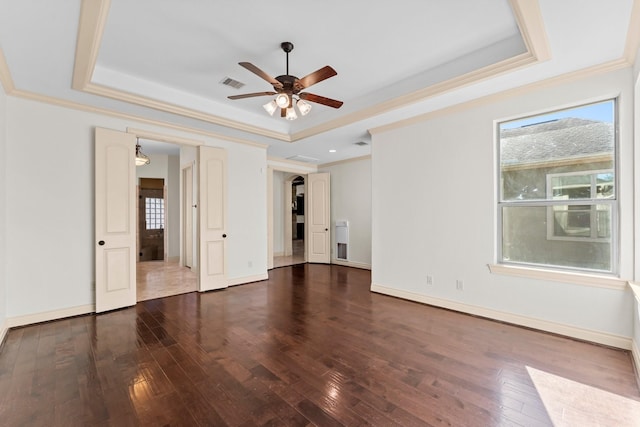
x,y
570,403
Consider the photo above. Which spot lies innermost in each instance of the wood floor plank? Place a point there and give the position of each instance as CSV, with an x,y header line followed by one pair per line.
x,y
310,346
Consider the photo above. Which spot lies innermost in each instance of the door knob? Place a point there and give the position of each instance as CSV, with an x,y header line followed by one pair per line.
x,y
101,242
326,229
224,236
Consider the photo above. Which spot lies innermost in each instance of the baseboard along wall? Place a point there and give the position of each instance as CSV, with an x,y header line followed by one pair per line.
x,y
598,337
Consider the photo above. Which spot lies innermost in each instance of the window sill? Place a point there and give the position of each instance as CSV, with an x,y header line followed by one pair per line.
x,y
594,280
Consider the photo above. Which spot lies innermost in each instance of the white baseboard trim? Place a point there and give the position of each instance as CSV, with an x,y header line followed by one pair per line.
x,y
247,279
281,253
516,319
351,264
46,316
635,355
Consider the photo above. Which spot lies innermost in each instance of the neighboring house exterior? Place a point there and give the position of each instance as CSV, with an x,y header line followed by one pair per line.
x,y
559,160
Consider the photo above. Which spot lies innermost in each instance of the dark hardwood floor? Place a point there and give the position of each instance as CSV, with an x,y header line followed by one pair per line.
x,y
310,346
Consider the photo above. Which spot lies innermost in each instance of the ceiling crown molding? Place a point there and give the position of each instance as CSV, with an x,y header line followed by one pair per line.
x,y
633,36
5,75
93,18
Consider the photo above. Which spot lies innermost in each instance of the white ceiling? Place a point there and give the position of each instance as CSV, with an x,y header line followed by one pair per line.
x,y
176,53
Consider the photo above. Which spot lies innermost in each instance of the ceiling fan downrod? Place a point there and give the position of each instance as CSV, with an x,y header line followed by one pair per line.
x,y
287,47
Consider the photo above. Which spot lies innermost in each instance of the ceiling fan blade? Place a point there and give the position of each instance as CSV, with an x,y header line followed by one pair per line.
x,y
251,95
317,76
320,100
258,72
283,112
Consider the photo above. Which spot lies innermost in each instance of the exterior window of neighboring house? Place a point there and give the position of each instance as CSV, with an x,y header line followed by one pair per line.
x,y
584,221
154,213
558,202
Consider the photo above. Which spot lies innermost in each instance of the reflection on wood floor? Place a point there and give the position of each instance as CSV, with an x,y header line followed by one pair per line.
x,y
296,258
157,279
310,346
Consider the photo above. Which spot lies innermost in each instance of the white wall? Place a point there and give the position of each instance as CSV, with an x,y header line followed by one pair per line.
x,y
50,205
278,212
351,200
434,193
3,211
158,167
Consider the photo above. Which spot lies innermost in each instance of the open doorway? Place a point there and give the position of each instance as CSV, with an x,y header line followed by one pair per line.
x,y
290,227
159,272
151,219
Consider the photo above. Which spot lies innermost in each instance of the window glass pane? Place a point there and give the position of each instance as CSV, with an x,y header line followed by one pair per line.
x,y
525,238
571,187
557,190
580,139
154,213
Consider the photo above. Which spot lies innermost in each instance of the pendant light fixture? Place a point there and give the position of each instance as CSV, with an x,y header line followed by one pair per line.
x,y
141,158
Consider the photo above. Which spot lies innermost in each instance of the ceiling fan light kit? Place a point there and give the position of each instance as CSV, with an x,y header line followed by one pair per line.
x,y
304,107
291,114
282,100
288,89
271,107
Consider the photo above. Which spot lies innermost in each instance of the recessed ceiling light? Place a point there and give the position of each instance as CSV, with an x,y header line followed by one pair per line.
x,y
332,151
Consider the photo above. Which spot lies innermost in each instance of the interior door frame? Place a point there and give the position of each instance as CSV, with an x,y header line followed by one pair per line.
x,y
172,139
187,210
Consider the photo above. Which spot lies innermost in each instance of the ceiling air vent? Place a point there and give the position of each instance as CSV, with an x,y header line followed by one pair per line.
x,y
361,143
305,159
228,81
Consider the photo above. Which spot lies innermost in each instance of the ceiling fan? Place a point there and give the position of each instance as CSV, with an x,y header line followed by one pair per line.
x,y
289,88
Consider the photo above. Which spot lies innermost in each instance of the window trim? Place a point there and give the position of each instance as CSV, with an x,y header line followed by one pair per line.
x,y
606,281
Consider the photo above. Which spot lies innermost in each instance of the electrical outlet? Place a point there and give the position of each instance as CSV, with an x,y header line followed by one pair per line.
x,y
459,285
429,280
250,264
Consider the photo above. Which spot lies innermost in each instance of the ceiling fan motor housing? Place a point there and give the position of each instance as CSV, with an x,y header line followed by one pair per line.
x,y
290,84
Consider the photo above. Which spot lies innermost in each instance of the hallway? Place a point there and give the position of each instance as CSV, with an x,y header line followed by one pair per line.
x,y
157,279
296,258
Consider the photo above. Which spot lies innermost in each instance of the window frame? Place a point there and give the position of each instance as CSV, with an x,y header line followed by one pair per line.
x,y
614,202
592,202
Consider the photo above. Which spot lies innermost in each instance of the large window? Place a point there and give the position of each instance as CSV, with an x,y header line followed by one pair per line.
x,y
558,196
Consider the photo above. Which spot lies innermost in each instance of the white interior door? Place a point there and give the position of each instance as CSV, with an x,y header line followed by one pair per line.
x,y
115,226
212,168
318,217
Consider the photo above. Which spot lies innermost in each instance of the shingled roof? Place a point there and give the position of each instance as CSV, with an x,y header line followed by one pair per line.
x,y
555,140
